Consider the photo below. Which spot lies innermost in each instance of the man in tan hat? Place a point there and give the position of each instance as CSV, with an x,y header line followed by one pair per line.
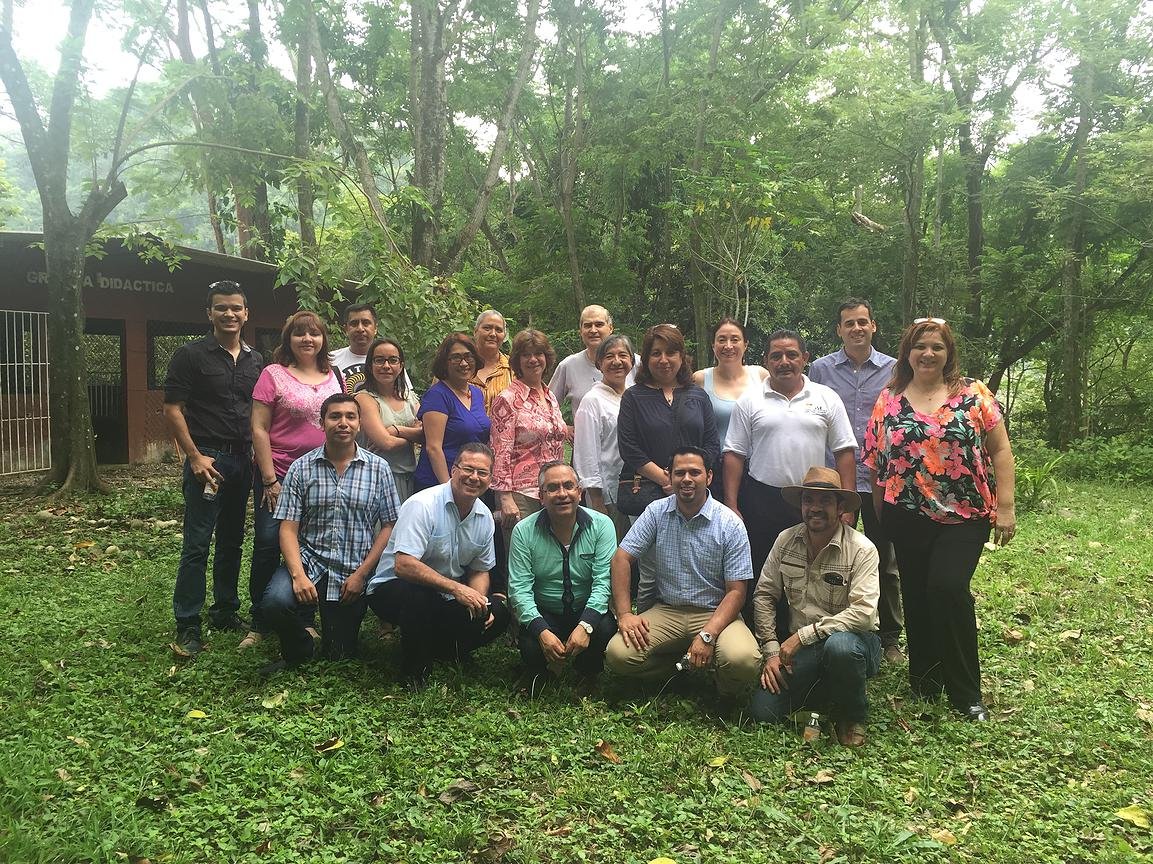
x,y
827,573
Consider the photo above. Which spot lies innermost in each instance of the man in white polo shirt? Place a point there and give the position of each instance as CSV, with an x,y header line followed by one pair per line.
x,y
779,433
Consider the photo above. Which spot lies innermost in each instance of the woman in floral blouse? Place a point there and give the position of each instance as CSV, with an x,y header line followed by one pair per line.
x,y
942,476
528,429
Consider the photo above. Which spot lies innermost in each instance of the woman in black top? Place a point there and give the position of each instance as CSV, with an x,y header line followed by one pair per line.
x,y
664,410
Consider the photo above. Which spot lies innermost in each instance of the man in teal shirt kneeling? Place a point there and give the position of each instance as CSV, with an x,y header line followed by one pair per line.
x,y
558,580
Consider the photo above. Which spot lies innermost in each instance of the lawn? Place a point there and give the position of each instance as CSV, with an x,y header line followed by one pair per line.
x,y
114,750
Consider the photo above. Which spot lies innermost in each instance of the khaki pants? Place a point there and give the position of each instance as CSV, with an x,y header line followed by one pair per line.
x,y
736,657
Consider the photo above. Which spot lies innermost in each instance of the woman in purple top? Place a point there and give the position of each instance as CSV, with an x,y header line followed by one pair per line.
x,y
452,410
285,425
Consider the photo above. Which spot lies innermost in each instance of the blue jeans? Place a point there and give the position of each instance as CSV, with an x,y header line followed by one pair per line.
x,y
265,553
225,516
828,676
340,622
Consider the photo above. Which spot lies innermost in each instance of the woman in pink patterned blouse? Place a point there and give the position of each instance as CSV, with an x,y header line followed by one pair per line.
x,y
527,428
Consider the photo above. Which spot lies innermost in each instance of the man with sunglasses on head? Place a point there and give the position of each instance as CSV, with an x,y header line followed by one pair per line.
x,y
208,406
433,577
558,580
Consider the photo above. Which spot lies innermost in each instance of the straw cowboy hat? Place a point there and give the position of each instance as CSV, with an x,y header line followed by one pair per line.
x,y
821,479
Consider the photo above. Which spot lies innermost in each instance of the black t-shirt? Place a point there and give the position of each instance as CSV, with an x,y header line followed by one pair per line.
x,y
215,390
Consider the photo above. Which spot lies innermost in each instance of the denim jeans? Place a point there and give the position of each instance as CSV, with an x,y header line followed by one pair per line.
x,y
265,554
224,515
828,676
284,616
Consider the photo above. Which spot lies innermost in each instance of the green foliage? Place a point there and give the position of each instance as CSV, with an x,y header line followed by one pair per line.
x,y
1036,484
102,763
1123,459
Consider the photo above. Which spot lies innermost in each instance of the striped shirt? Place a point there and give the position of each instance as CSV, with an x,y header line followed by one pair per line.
x,y
339,516
694,557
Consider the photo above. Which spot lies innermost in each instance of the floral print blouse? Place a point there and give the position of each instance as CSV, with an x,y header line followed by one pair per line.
x,y
936,463
527,431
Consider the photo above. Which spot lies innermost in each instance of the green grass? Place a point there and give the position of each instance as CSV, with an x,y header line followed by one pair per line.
x,y
99,761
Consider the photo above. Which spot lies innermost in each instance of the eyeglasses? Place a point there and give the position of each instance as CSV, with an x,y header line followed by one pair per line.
x,y
566,485
930,321
461,359
480,473
385,361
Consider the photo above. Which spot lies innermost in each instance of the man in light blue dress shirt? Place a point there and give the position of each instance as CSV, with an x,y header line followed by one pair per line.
x,y
858,372
433,578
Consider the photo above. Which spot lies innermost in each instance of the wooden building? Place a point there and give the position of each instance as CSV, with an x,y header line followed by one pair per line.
x,y
137,315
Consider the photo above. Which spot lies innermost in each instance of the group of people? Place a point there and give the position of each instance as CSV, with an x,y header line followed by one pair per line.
x,y
706,521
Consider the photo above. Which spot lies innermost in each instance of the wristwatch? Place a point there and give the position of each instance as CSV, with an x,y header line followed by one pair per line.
x,y
706,637
588,628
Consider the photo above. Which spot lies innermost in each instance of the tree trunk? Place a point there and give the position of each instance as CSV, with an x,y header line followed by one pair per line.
x,y
1068,415
428,116
305,195
914,177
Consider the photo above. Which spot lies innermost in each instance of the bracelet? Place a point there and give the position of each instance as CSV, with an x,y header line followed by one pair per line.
x,y
395,430
271,482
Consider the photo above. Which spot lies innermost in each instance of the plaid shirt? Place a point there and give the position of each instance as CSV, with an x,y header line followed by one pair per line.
x,y
339,516
694,557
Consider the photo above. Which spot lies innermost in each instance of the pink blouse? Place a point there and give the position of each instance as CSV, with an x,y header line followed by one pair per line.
x,y
295,428
527,431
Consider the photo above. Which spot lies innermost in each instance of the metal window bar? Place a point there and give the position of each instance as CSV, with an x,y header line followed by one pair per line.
x,y
25,439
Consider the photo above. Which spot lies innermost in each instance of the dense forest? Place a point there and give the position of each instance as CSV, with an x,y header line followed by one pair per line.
x,y
987,162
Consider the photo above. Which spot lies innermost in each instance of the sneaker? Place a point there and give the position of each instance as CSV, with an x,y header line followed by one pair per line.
x,y
230,621
251,640
188,641
893,655
315,636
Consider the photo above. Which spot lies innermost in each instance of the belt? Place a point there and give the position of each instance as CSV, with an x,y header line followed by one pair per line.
x,y
238,448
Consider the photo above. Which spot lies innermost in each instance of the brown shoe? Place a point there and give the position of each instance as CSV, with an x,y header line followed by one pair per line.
x,y
251,640
315,636
850,734
893,655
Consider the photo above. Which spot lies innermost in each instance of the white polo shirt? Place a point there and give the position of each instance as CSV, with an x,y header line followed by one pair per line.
x,y
782,438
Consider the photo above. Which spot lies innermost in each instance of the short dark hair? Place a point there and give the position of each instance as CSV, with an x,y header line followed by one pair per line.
x,y
440,361
671,335
530,341
224,288
359,307
334,399
786,334
300,322
691,450
475,447
548,466
399,387
853,303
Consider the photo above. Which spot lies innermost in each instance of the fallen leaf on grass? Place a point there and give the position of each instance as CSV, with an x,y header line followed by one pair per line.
x,y
1013,637
559,831
499,843
274,701
1028,686
1139,816
911,795
827,853
944,836
751,781
459,790
824,776
63,774
84,544
791,772
329,745
1069,635
1145,715
195,714
662,861
605,750
718,761
78,741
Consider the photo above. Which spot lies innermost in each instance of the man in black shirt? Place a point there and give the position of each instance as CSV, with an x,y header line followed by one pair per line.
x,y
208,405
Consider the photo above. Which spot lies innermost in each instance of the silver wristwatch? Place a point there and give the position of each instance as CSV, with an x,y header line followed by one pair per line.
x,y
587,627
706,637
